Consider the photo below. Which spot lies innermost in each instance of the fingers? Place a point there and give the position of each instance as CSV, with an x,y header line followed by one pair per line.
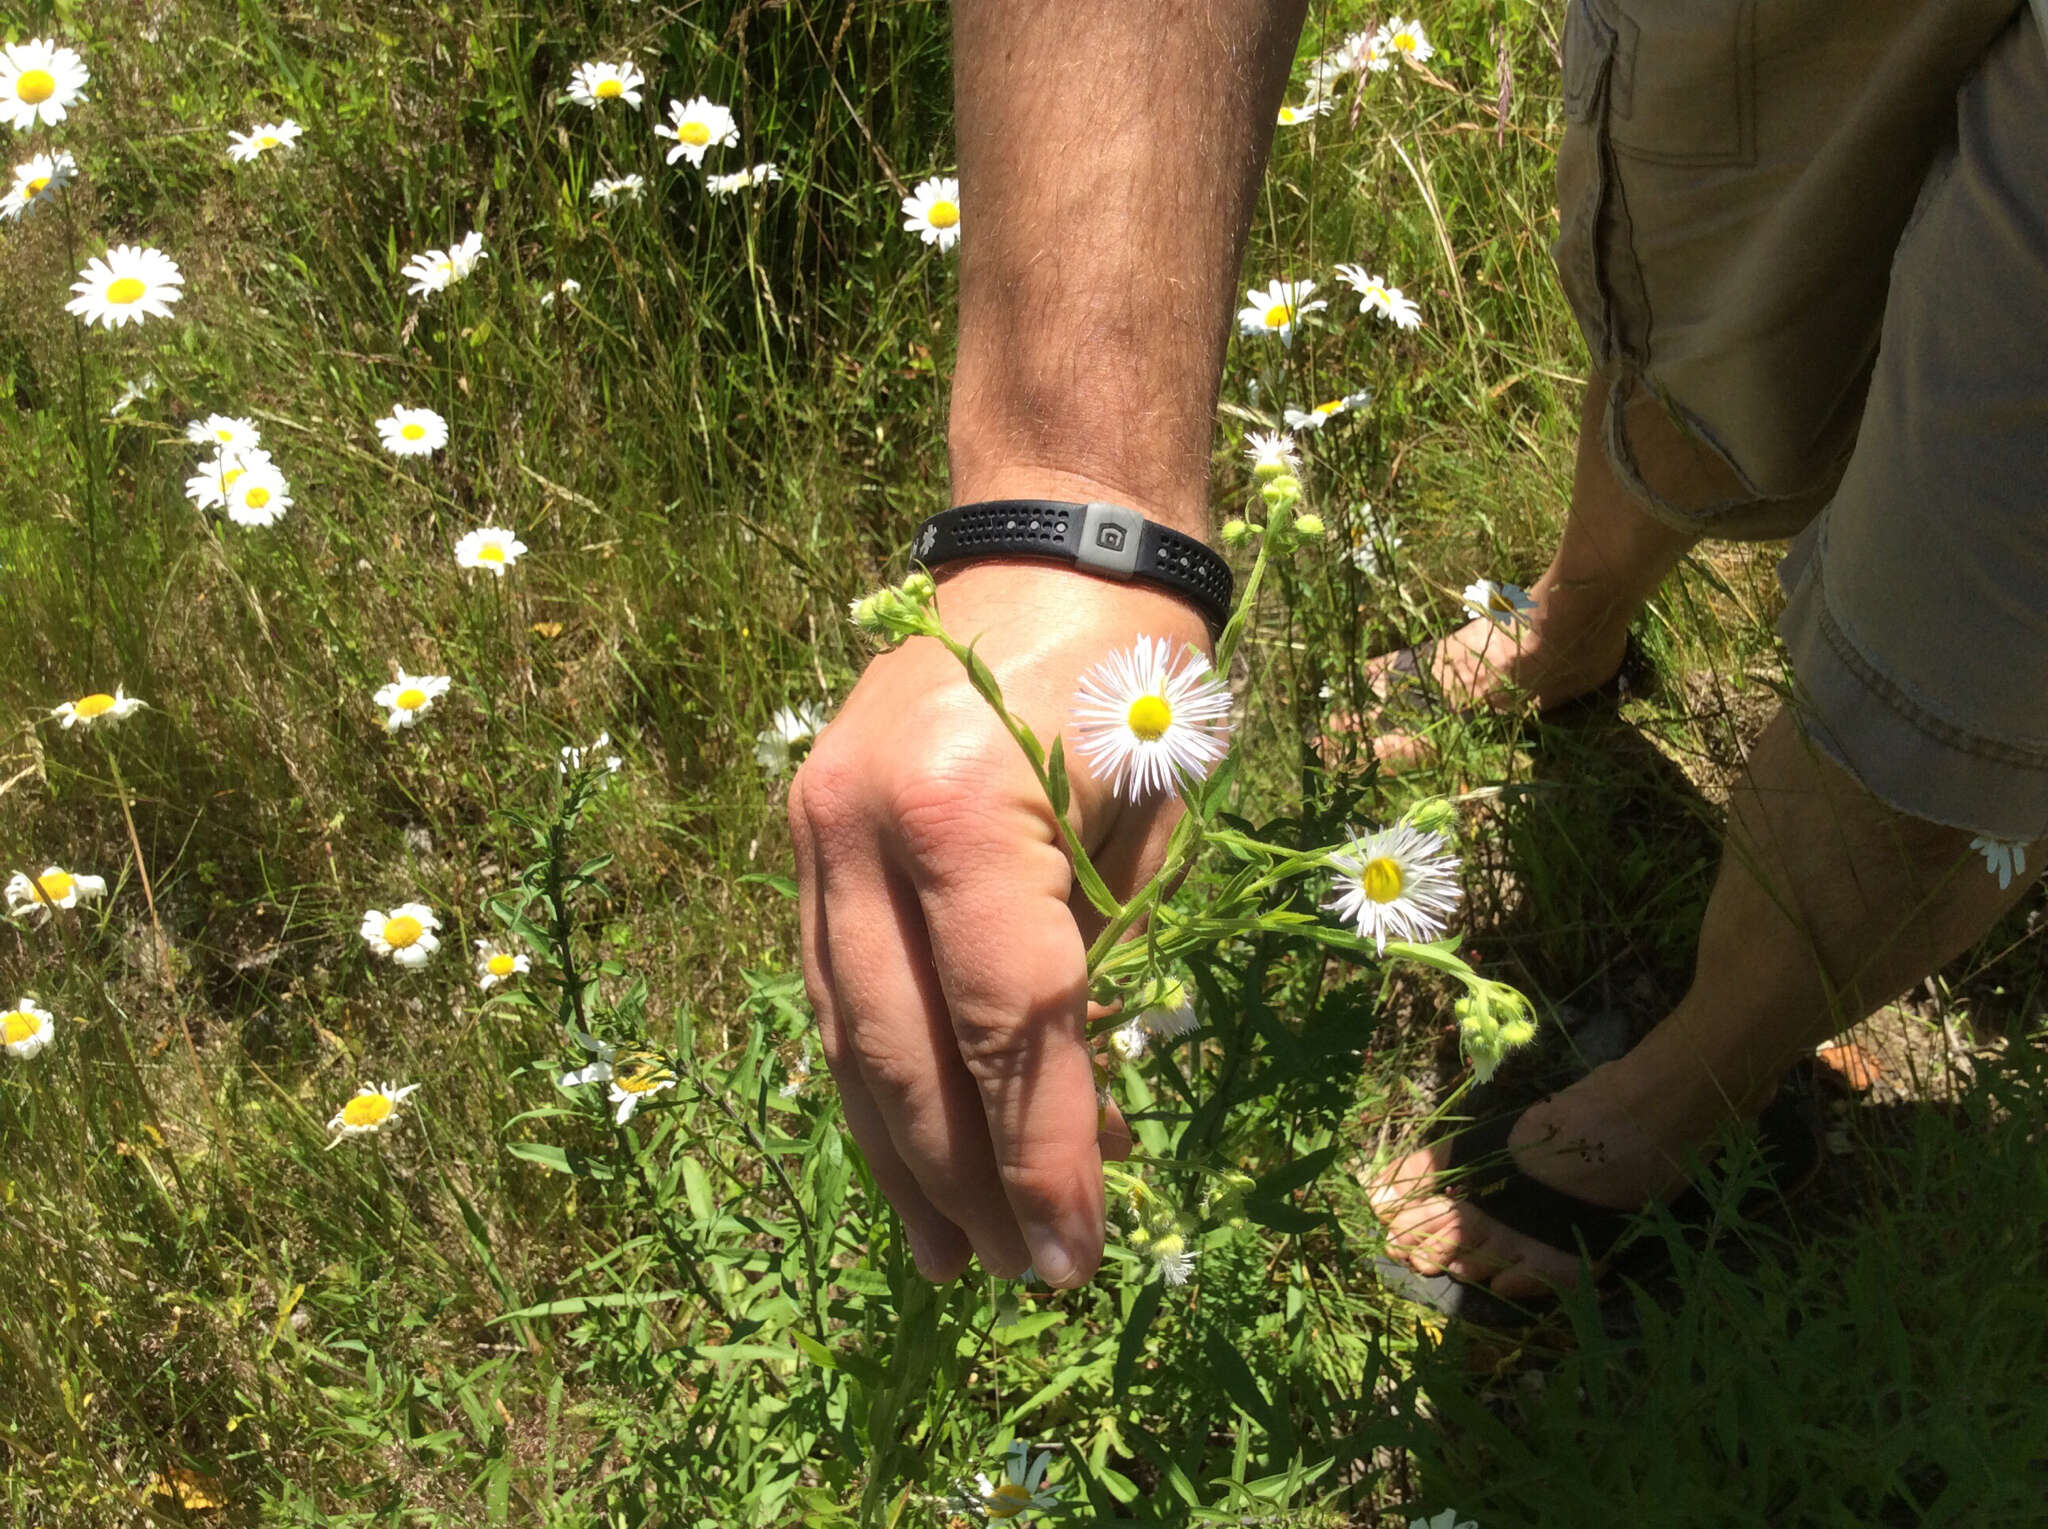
x,y
940,1248
993,885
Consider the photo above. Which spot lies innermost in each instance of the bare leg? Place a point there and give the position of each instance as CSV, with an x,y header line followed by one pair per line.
x,y
1828,904
1610,559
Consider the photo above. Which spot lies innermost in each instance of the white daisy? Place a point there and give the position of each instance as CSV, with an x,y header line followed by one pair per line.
x,y
1171,1014
1271,454
1130,1041
438,270
573,756
490,547
26,1029
787,729
1292,116
133,392
1399,881
410,697
258,496
1375,296
1372,543
405,934
932,211
2003,858
1277,308
1406,39
55,888
612,188
39,82
1148,717
35,178
261,139
412,432
98,707
1448,1519
372,1109
740,180
797,1072
1323,413
1502,604
224,432
696,125
594,84
208,487
569,287
130,283
1356,54
1022,1489
496,964
634,1075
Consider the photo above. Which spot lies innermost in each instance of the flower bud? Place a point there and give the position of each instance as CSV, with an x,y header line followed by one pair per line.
x,y
1235,532
1281,492
1309,525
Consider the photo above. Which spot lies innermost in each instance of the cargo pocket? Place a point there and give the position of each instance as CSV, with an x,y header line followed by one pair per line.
x,y
1585,176
1682,85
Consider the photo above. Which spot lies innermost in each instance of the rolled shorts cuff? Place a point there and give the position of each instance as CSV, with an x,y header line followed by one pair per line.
x,y
1915,761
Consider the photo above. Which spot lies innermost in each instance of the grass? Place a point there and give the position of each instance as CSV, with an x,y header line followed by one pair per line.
x,y
506,1310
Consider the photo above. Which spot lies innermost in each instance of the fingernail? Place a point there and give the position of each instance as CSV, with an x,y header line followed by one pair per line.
x,y
920,1250
1049,1257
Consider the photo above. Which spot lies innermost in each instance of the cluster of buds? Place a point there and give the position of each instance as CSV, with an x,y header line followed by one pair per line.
x,y
899,611
1493,1019
1281,492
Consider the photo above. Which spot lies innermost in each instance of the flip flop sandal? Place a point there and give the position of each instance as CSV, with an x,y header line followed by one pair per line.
x,y
1414,696
1788,1132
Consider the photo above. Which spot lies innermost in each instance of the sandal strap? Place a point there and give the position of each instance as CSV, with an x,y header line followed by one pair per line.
x,y
1491,1182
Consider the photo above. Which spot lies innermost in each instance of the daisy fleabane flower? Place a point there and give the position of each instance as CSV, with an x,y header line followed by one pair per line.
x,y
1323,413
932,211
1022,1489
592,85
1403,39
26,1029
1293,116
438,270
224,432
132,282
1171,1258
405,934
574,757
91,710
1148,717
634,1075
410,697
1276,308
371,1109
1502,603
262,138
39,82
489,547
1400,882
740,180
2003,858
496,964
258,497
412,432
1271,454
55,888
789,728
695,125
35,178
611,188
1375,296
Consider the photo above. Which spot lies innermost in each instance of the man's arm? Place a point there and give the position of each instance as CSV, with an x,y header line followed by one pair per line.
x,y
1109,156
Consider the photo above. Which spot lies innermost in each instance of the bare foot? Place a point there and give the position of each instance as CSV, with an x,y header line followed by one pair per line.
x,y
1577,1141
1484,665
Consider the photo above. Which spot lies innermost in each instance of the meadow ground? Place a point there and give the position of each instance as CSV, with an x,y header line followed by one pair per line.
x,y
712,419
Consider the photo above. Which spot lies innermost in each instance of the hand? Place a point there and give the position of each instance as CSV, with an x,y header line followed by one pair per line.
x,y
944,940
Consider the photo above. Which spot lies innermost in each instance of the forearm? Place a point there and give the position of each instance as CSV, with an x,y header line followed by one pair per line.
x,y
1109,155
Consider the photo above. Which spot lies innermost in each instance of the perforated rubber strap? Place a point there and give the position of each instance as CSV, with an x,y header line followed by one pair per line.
x,y
1107,539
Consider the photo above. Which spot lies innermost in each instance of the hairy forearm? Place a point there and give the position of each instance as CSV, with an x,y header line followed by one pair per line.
x,y
1109,155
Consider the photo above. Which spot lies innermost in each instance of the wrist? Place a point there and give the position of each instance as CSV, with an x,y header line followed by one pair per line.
x,y
1056,600
980,472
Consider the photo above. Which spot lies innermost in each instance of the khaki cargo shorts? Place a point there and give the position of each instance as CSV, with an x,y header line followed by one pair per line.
x,y
1807,241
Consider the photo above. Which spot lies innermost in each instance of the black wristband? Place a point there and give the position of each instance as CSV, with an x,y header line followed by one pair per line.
x,y
1108,539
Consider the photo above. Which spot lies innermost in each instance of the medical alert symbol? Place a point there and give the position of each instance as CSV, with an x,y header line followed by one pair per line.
x,y
926,540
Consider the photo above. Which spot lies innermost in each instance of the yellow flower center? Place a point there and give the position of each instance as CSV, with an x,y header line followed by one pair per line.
x,y
229,474
490,552
1405,41
125,290
36,186
257,497
402,931
501,965
609,90
412,698
640,1080
1498,601
36,86
1149,717
55,885
1008,1500
1382,879
1279,316
1286,114
92,706
268,141
366,1110
17,1025
1377,295
944,214
223,434
413,432
695,134
1334,406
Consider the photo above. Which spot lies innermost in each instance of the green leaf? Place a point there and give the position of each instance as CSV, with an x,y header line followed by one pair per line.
x,y
576,1305
1056,786
560,1159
